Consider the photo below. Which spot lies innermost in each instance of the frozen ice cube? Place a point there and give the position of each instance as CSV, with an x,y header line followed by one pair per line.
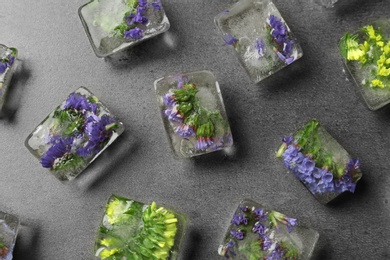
x,y
257,232
129,227
8,65
113,25
74,135
9,226
366,58
261,38
320,162
193,113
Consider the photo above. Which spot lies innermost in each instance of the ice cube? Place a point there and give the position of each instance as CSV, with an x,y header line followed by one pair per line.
x,y
193,113
326,3
320,162
257,232
8,65
74,135
129,227
113,25
368,66
9,226
261,38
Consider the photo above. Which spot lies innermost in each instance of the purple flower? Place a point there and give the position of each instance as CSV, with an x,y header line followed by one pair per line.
x,y
287,48
276,254
169,100
327,177
138,18
230,244
307,166
229,39
260,214
266,243
288,139
258,228
134,34
260,47
142,3
173,115
346,183
244,208
129,19
156,5
3,67
141,10
79,103
185,130
57,150
291,222
203,143
11,60
237,234
239,219
98,131
353,165
285,59
181,81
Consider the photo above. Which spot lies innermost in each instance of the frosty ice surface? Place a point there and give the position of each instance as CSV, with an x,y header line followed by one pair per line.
x,y
367,57
261,38
193,113
133,230
9,226
320,162
8,64
113,25
74,135
326,3
256,232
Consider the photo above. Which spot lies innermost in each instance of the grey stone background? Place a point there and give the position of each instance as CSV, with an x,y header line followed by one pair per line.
x,y
60,221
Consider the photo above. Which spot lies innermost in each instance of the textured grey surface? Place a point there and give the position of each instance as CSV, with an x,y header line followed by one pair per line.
x,y
60,221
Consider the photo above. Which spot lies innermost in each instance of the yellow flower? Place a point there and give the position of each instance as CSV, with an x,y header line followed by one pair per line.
x,y
107,253
365,47
384,72
371,32
378,38
354,54
115,209
388,61
106,242
377,83
380,43
381,61
386,49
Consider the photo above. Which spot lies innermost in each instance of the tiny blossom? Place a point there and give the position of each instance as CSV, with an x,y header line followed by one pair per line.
x,y
61,147
237,234
260,47
203,143
288,139
134,34
185,130
156,5
239,219
230,39
259,228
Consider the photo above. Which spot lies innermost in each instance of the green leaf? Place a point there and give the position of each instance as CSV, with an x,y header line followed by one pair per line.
x,y
343,47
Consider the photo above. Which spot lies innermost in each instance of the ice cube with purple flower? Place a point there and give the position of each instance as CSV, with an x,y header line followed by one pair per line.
x,y
8,64
319,162
257,232
193,113
74,135
260,37
113,25
9,226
